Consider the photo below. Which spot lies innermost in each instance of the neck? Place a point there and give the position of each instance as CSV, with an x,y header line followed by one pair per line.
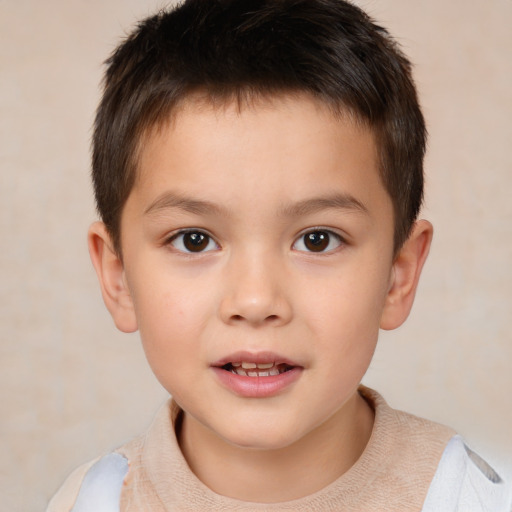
x,y
285,474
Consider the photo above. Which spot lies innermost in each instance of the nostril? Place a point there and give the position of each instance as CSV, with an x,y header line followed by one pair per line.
x,y
254,310
269,318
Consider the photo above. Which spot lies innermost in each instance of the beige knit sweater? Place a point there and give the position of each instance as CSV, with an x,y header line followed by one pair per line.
x,y
393,473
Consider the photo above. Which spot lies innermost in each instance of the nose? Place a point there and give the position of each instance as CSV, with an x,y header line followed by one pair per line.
x,y
255,293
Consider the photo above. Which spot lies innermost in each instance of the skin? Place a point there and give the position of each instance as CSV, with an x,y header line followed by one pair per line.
x,y
256,180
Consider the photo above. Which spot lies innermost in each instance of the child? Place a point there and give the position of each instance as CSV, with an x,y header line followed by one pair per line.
x,y
258,171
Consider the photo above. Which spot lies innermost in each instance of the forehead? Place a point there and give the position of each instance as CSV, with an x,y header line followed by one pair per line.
x,y
282,145
199,109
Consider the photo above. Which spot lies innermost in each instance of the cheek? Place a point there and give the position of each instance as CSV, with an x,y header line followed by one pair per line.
x,y
172,317
168,337
166,300
345,313
351,300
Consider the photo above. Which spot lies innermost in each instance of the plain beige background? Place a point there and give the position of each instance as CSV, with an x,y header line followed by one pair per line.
x,y
72,387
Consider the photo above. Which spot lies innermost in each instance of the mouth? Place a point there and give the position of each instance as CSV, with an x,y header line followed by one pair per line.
x,y
250,369
257,375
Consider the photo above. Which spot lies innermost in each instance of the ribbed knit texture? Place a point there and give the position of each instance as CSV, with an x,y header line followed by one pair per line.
x,y
393,473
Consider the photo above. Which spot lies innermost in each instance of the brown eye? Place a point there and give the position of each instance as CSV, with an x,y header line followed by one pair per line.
x,y
193,241
318,241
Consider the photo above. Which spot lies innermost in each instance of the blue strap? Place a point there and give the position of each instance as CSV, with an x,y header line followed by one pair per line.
x,y
102,484
464,482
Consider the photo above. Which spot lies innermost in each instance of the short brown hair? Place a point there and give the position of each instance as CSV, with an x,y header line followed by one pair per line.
x,y
229,49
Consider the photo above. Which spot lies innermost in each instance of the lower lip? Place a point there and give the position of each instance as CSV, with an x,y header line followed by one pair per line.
x,y
257,387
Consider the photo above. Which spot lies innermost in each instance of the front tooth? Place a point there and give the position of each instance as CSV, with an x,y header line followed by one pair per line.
x,y
253,374
265,366
249,366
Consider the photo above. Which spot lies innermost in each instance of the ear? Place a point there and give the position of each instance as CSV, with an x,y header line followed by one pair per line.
x,y
110,270
405,275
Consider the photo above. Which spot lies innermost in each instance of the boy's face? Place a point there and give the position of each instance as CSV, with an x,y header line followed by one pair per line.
x,y
258,236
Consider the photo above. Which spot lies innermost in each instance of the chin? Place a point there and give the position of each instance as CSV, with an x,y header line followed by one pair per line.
x,y
261,438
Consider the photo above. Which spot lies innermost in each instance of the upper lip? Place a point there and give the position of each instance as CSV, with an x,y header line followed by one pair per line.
x,y
254,357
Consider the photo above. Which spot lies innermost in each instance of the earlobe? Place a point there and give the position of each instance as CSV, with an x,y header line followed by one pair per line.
x,y
405,275
110,271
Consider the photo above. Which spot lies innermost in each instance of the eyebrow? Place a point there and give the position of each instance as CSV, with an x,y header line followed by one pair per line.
x,y
170,200
330,202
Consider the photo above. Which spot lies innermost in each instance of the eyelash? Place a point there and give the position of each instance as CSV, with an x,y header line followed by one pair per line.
x,y
324,240
179,239
324,243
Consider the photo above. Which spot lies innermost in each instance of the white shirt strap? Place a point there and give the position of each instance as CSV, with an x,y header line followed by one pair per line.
x,y
464,482
102,484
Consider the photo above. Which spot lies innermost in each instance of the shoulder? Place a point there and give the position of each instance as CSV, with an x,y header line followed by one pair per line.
x,y
65,497
433,461
464,481
107,473
94,487
94,477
